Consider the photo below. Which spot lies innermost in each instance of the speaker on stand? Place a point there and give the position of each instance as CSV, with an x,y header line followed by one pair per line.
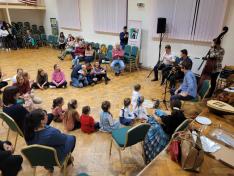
x,y
161,28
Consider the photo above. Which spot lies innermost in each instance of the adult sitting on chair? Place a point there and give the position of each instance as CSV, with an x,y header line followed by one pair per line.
x,y
188,89
177,74
117,64
10,164
37,132
161,130
70,45
79,54
89,51
167,61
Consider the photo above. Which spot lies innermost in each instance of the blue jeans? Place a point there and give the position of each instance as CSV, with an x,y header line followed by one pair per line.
x,y
180,97
75,61
89,59
79,82
117,65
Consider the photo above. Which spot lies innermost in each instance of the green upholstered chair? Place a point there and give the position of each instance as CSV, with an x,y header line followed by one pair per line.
x,y
204,89
11,126
50,40
39,155
55,41
132,60
109,48
41,29
126,137
127,52
43,39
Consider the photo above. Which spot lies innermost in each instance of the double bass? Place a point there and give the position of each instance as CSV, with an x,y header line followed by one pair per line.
x,y
211,61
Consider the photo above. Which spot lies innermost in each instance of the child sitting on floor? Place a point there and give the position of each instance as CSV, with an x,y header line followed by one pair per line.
x,y
82,78
58,78
140,111
71,120
135,95
19,72
57,109
88,125
126,117
41,81
107,124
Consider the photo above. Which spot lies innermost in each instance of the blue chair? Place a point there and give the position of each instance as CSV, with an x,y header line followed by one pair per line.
x,y
127,136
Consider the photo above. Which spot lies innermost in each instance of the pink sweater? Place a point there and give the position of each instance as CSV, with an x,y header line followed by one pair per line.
x,y
116,54
58,77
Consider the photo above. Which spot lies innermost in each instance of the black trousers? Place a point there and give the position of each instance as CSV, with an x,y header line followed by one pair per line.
x,y
3,84
100,76
35,86
178,75
165,71
11,165
6,42
213,77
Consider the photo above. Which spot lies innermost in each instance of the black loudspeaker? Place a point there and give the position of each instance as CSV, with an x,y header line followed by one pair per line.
x,y
161,27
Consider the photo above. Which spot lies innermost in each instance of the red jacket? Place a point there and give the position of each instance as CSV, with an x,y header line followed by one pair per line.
x,y
80,51
87,123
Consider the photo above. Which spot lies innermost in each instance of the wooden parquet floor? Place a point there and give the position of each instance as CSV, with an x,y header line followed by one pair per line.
x,y
91,152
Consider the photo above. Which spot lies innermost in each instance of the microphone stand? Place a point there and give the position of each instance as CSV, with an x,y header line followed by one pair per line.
x,y
164,100
159,53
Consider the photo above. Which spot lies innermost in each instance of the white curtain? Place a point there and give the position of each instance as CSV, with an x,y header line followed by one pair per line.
x,y
210,19
69,14
109,15
180,15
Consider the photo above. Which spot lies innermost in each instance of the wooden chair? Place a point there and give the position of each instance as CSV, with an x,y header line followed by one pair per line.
x,y
12,126
39,155
126,137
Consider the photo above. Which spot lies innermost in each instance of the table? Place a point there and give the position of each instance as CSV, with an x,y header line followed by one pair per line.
x,y
162,165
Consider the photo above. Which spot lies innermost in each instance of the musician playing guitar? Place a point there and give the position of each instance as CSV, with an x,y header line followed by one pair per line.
x,y
177,74
213,65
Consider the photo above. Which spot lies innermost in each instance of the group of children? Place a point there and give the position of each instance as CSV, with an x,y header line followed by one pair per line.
x,y
72,120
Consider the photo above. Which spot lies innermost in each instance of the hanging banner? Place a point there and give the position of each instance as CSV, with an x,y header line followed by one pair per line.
x,y
134,29
54,26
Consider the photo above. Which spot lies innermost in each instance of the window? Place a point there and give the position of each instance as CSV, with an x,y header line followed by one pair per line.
x,y
199,20
69,14
109,15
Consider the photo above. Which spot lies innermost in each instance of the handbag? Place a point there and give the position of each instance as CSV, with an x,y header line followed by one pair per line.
x,y
192,154
174,150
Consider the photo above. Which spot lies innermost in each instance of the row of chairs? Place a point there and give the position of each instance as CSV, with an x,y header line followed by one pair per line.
x,y
26,26
39,155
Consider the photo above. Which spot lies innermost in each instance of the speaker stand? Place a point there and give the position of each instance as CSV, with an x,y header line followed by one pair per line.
x,y
159,53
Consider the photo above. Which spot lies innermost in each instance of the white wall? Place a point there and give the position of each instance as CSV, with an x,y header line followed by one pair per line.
x,y
51,12
228,41
149,53
23,15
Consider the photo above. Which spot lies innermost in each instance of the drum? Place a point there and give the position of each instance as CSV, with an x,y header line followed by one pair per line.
x,y
220,108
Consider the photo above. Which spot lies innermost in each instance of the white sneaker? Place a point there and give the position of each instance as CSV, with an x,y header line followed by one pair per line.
x,y
52,87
